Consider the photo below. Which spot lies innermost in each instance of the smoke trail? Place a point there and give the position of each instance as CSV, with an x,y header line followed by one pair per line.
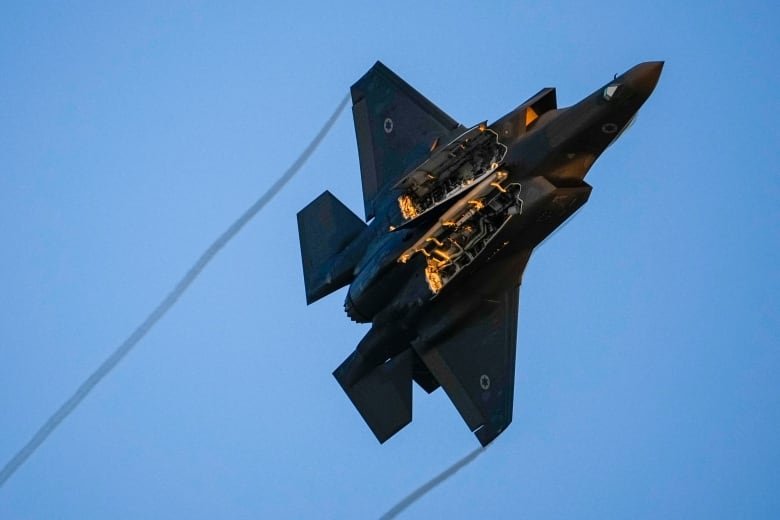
x,y
421,491
103,370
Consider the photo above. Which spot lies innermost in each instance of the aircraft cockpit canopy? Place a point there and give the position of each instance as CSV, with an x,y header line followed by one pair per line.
x,y
611,91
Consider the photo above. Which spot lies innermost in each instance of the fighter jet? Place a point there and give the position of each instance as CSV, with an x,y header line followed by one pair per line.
x,y
454,214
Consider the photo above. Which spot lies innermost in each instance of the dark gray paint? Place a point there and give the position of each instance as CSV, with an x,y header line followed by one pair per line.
x,y
462,337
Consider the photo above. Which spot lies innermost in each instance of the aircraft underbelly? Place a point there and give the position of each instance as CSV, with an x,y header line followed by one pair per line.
x,y
457,214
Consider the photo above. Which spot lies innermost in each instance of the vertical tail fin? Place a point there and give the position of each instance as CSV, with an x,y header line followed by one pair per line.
x,y
325,228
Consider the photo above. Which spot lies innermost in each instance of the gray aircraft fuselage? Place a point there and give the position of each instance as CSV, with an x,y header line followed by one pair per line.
x,y
431,258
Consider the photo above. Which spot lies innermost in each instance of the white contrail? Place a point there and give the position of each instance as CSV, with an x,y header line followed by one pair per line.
x,y
102,371
428,486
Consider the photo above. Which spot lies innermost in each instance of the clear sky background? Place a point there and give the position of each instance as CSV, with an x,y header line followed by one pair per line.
x,y
648,353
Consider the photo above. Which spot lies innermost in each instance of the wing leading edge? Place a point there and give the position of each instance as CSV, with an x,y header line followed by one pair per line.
x,y
476,364
396,127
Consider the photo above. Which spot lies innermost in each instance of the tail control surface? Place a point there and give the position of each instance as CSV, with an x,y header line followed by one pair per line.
x,y
325,228
383,396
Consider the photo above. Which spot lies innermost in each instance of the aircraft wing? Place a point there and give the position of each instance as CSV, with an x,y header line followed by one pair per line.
x,y
396,129
476,363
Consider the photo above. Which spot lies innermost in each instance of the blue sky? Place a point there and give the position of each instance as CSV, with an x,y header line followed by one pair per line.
x,y
649,332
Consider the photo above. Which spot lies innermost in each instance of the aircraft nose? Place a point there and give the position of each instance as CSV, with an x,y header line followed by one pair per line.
x,y
644,76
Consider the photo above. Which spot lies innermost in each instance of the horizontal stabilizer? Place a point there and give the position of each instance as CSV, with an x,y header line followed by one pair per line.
x,y
325,228
383,396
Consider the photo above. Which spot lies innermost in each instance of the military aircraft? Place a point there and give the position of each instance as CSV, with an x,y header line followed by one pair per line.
x,y
454,214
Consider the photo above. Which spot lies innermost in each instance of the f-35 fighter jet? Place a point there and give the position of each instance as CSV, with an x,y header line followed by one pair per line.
x,y
454,215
